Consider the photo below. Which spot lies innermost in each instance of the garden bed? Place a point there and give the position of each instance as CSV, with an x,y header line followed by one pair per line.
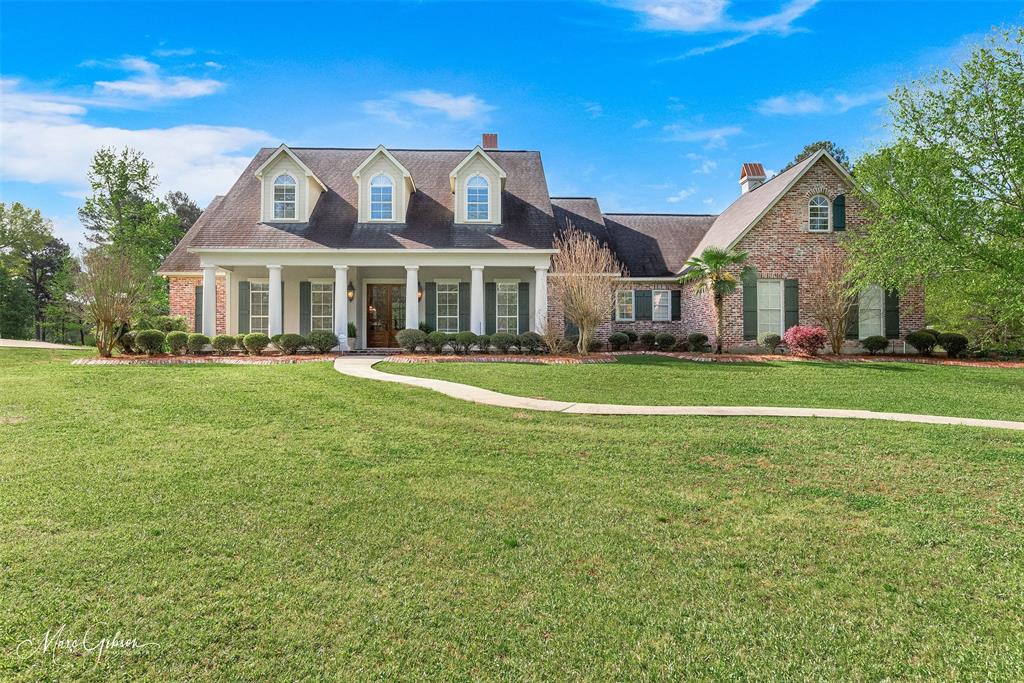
x,y
206,360
503,358
830,358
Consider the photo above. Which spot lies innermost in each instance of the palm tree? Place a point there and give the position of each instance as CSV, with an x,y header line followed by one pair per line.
x,y
710,271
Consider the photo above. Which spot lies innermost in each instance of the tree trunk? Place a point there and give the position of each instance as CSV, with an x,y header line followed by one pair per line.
x,y
584,341
718,323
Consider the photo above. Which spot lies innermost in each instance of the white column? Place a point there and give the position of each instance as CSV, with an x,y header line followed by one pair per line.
x,y
412,308
210,301
274,301
341,306
476,299
540,300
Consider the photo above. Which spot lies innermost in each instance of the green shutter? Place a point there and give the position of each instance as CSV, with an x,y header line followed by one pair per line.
x,y
305,308
570,329
490,308
677,312
892,314
792,298
750,306
199,309
430,292
853,318
243,307
643,304
465,303
523,301
839,213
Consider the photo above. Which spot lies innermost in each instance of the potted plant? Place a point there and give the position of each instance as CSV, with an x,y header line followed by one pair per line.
x,y
351,336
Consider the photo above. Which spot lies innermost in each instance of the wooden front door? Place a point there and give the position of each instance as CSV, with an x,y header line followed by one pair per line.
x,y
385,315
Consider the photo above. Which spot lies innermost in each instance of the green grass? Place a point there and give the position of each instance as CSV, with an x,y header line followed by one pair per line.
x,y
657,380
290,523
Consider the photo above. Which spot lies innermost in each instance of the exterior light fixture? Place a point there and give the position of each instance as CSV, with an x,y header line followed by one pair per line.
x,y
419,291
351,292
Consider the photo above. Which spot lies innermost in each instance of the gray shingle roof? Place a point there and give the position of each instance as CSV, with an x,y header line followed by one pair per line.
x,y
654,244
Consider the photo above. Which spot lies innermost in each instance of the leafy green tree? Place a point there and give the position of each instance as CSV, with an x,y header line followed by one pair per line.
x,y
712,272
42,267
15,307
837,152
64,317
946,198
23,231
186,210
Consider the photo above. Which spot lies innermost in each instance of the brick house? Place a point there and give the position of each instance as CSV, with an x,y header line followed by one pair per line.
x,y
318,238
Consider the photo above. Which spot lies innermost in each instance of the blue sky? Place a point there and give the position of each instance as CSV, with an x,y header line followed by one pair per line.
x,y
649,106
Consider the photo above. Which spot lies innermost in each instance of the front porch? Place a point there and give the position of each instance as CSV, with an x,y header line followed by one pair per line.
x,y
380,294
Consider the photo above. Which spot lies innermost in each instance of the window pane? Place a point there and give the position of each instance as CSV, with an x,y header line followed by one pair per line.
x,y
661,300
624,304
477,194
769,306
818,214
870,312
448,306
508,307
259,307
321,306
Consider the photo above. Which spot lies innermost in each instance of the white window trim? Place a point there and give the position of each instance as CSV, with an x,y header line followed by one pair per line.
x,y
369,195
632,307
881,314
828,212
782,305
273,197
518,302
259,281
654,308
334,298
488,181
458,301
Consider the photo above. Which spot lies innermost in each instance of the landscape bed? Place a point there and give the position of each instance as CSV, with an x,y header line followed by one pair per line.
x,y
287,522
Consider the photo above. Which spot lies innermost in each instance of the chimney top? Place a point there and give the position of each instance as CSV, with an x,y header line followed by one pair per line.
x,y
490,141
752,176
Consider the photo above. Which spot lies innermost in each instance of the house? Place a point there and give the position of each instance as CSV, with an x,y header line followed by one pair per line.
x,y
387,239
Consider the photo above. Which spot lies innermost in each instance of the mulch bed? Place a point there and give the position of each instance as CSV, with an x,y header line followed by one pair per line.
x,y
504,358
845,358
206,360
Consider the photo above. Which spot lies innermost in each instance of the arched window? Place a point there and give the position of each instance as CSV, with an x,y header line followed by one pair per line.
x,y
284,196
382,198
478,204
818,214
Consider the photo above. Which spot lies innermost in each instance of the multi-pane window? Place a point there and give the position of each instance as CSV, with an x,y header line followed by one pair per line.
x,y
259,307
321,302
508,307
661,304
818,214
382,195
624,305
447,306
870,310
477,199
769,306
284,196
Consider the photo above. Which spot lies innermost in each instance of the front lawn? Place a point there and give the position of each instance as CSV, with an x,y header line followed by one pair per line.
x,y
291,523
657,380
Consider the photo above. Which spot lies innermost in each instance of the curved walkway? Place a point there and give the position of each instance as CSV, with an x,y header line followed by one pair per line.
x,y
362,367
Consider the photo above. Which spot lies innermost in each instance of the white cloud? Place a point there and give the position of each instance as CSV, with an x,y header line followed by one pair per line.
x,y
642,123
681,195
711,137
455,107
150,84
594,109
386,110
213,65
806,103
174,52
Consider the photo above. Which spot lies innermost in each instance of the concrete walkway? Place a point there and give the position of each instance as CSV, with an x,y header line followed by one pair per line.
x,y
362,367
31,344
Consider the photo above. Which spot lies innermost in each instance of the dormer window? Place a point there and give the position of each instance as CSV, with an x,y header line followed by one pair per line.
x,y
284,196
382,198
818,210
478,199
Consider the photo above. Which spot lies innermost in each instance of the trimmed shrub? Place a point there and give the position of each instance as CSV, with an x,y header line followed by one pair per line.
x,y
240,341
935,333
256,342
805,340
170,323
631,335
569,345
177,341
126,342
223,343
530,342
436,341
503,341
648,339
276,338
464,341
618,341
411,339
322,340
769,341
483,343
150,341
290,343
875,343
425,327
665,341
595,345
698,342
954,344
682,345
923,341
196,342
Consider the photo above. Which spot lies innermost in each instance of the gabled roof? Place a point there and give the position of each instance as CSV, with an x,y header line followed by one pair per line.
x,y
477,151
381,150
740,216
283,149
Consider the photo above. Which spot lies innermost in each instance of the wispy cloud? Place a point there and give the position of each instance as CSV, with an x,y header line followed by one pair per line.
x,y
805,103
174,52
455,107
594,109
681,195
714,16
148,83
642,123
213,65
711,137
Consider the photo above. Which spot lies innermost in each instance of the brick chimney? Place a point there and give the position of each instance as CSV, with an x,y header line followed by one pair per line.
x,y
752,176
490,141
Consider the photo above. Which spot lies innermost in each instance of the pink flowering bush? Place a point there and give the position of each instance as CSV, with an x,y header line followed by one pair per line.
x,y
805,340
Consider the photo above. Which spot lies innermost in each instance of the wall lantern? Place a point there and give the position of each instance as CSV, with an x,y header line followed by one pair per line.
x,y
419,292
351,292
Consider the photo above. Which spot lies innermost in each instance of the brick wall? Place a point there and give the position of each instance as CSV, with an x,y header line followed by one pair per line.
x,y
183,300
680,328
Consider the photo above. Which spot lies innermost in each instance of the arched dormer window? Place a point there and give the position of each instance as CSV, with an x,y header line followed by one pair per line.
x,y
382,198
478,196
284,196
817,214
